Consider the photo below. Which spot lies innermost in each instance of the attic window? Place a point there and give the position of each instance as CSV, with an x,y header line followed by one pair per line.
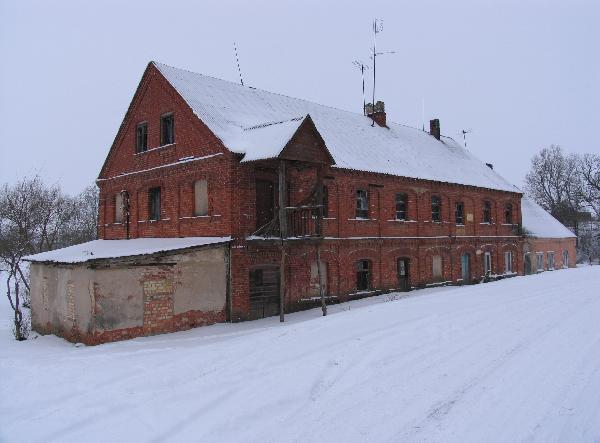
x,y
141,137
362,203
401,200
508,214
436,209
487,212
459,213
167,129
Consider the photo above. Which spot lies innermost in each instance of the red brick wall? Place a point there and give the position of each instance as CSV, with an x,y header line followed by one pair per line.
x,y
534,245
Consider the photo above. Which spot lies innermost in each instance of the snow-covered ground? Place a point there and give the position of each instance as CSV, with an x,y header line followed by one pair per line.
x,y
515,360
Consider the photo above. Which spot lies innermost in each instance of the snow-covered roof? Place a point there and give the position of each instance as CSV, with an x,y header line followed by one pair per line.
x,y
539,223
243,118
103,249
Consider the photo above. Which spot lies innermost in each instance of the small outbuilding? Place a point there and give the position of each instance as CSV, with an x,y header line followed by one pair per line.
x,y
107,290
548,245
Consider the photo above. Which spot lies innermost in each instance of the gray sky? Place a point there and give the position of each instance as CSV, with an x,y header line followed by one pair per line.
x,y
520,74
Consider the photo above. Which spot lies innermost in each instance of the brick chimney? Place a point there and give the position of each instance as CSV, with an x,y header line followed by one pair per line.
x,y
434,128
377,113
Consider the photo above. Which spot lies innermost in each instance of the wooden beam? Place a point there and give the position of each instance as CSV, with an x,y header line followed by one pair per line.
x,y
283,235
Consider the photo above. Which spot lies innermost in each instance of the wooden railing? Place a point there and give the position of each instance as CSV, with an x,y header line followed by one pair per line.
x,y
303,221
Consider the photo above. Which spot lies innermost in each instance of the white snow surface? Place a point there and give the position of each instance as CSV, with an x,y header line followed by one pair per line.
x,y
539,223
230,109
510,361
99,249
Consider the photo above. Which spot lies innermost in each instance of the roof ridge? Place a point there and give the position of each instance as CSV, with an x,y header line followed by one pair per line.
x,y
283,95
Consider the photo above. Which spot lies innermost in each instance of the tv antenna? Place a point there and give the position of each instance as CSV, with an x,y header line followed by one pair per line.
x,y
377,28
237,59
360,65
464,133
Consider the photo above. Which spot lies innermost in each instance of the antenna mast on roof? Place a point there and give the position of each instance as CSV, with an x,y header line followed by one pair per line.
x,y
423,113
237,59
377,28
360,65
464,133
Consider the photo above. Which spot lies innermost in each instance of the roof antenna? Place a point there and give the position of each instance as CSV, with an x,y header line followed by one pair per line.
x,y
360,65
377,28
423,113
464,133
237,59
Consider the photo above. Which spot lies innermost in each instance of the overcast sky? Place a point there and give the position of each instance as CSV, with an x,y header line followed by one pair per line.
x,y
521,74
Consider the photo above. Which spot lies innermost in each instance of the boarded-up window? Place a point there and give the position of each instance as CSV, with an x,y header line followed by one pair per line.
x,y
119,208
200,198
314,278
436,267
565,262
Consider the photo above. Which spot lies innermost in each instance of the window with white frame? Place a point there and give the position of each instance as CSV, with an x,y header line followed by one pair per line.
x,y
362,203
539,264
565,257
551,260
487,263
508,262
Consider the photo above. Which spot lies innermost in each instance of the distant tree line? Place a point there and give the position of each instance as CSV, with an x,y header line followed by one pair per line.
x,y
36,217
568,186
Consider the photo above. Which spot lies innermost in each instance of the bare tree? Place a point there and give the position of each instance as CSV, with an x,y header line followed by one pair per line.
x,y
589,169
554,183
34,218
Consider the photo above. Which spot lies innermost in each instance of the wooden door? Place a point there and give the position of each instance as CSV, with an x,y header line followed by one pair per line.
x,y
465,268
264,291
403,274
265,202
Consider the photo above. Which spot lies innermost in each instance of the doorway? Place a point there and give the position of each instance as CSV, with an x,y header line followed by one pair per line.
x,y
465,268
264,291
265,202
403,274
527,263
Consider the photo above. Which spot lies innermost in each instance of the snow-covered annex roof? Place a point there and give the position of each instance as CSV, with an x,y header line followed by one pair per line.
x,y
256,123
106,249
540,224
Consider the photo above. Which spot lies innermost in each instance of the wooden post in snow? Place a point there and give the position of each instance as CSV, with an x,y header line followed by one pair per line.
x,y
283,235
320,234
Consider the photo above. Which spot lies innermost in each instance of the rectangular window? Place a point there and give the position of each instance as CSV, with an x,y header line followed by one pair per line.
x,y
401,206
487,212
436,267
459,213
325,201
551,260
539,256
487,263
436,209
314,278
119,208
362,204
565,262
167,130
508,214
200,198
141,137
508,262
154,204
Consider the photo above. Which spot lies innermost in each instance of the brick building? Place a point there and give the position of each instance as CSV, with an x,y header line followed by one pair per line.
x,y
306,198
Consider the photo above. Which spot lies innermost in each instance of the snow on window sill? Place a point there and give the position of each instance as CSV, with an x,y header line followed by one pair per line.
x,y
329,218
401,220
485,223
363,219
